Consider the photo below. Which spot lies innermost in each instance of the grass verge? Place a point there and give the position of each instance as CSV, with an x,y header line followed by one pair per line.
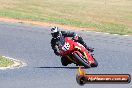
x,y
113,16
4,62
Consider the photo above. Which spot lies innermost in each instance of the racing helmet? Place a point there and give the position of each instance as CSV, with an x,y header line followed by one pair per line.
x,y
55,32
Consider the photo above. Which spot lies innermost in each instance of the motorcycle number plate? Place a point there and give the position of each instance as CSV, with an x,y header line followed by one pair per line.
x,y
66,46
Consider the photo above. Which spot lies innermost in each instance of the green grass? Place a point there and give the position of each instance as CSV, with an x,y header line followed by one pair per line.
x,y
113,16
5,62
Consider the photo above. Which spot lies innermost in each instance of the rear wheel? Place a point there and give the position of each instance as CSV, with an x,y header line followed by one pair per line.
x,y
81,61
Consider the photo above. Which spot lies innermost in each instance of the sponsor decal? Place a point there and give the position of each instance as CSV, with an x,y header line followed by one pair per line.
x,y
83,78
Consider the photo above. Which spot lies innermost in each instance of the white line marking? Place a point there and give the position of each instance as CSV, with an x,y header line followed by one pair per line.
x,y
17,64
106,33
88,31
115,34
125,35
98,32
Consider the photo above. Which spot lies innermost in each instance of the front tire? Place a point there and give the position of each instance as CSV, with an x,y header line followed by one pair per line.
x,y
95,64
81,61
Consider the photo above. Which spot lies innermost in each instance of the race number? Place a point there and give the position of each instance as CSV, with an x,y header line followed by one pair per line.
x,y
66,46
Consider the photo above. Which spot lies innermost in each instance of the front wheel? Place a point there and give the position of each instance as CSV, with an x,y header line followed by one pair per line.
x,y
95,64
81,60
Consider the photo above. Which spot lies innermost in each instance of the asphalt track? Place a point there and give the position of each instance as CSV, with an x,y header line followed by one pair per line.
x,y
31,44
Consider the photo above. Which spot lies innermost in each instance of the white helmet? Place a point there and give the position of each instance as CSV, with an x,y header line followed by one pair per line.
x,y
54,29
55,32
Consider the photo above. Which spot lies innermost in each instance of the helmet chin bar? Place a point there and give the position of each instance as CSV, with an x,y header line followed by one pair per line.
x,y
55,35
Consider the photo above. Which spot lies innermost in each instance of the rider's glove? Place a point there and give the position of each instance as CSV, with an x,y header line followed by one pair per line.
x,y
75,37
91,49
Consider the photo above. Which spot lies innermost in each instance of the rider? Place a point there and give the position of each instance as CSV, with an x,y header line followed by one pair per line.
x,y
56,33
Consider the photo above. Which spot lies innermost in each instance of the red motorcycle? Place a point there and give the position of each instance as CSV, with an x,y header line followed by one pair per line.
x,y
76,53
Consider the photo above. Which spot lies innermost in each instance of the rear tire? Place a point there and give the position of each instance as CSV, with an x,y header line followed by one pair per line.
x,y
81,61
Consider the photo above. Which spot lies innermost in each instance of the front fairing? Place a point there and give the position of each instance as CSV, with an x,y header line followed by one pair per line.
x,y
66,46
85,52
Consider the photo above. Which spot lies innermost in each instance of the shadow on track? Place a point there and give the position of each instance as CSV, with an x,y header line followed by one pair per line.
x,y
59,67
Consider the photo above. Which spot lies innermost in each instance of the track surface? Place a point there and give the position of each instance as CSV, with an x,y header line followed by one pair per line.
x,y
31,44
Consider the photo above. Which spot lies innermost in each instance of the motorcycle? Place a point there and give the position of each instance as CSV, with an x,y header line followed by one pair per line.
x,y
76,53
